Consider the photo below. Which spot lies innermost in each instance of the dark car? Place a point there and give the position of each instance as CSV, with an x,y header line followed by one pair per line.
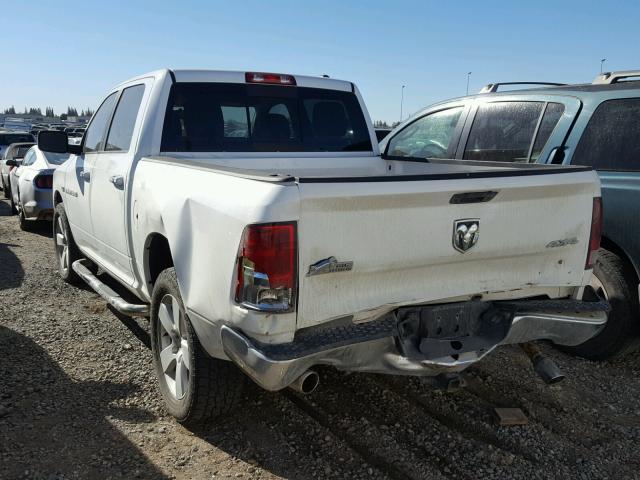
x,y
597,125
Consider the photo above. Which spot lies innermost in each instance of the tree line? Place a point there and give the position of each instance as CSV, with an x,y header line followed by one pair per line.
x,y
48,112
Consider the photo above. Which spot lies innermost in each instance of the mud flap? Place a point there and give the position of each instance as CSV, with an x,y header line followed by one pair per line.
x,y
437,331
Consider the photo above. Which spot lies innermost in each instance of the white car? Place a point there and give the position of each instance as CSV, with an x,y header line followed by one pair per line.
x,y
262,231
31,182
15,151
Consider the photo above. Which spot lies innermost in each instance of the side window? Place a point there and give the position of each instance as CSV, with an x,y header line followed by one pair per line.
x,y
29,158
95,132
503,131
550,119
610,141
121,131
428,137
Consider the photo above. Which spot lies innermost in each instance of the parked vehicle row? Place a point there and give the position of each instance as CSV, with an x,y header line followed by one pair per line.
x,y
264,231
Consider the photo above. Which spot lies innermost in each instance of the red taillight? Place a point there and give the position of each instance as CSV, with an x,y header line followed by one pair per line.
x,y
596,231
270,78
43,181
266,275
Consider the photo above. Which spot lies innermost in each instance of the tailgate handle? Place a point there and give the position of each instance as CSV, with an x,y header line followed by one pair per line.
x,y
473,197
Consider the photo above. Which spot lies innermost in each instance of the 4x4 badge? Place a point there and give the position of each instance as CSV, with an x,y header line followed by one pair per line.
x,y
465,233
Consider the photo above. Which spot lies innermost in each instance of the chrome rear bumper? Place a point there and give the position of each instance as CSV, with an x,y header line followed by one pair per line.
x,y
376,349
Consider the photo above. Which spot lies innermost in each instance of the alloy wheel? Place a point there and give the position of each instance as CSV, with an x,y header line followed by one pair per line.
x,y
173,348
62,244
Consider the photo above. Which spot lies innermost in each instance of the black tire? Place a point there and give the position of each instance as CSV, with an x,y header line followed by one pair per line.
x,y
5,190
14,210
61,225
214,386
621,334
25,225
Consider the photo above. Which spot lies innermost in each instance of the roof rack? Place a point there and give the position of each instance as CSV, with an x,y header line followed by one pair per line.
x,y
493,87
608,78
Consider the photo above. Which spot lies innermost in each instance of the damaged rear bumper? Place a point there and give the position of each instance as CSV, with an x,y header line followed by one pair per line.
x,y
423,341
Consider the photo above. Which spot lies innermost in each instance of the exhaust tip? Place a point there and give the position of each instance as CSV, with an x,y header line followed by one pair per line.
x,y
548,370
306,383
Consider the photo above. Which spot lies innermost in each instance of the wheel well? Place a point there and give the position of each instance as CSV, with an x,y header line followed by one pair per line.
x,y
57,198
158,257
613,247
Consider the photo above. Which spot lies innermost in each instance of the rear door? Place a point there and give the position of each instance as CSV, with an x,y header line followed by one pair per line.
x,y
517,128
109,175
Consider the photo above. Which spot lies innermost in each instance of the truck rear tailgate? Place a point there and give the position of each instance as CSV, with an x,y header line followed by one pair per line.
x,y
399,234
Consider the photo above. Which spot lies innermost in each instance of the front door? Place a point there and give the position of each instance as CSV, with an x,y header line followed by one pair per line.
x,y
77,185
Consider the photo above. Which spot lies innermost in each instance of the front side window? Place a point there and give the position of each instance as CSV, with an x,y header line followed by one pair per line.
x,y
503,131
428,137
610,140
121,131
221,117
95,133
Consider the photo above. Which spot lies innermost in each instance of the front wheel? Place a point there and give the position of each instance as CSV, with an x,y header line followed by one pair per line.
x,y
66,251
25,225
614,281
194,386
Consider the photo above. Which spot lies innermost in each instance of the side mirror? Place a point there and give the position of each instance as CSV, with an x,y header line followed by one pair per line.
x,y
53,141
11,163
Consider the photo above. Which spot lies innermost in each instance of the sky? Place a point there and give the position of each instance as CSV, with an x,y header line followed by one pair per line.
x,y
59,53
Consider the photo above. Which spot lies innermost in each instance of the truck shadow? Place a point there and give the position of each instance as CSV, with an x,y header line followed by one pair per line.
x,y
43,410
11,271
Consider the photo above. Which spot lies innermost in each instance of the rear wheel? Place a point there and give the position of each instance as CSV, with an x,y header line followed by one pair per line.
x,y
194,386
25,225
614,281
66,251
14,210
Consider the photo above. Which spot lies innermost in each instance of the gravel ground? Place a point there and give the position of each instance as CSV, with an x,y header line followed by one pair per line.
x,y
78,399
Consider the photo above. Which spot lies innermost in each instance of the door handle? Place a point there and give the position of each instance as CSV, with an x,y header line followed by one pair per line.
x,y
85,175
118,181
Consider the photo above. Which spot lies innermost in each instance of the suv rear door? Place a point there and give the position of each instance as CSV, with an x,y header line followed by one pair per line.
x,y
519,127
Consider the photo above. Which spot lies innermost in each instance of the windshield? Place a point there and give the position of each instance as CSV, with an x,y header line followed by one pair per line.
x,y
9,138
219,117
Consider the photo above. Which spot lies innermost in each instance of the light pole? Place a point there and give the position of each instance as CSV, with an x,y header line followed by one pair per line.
x,y
401,101
468,76
601,63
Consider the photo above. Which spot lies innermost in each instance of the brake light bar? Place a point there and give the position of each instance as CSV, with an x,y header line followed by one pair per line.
x,y
596,231
269,78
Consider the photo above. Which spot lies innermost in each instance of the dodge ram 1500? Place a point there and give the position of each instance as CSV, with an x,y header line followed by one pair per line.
x,y
255,220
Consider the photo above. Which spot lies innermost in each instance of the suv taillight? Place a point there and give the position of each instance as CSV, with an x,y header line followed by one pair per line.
x,y
43,181
266,267
596,231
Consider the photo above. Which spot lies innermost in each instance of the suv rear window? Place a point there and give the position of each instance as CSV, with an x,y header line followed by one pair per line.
x,y
9,138
610,140
220,117
505,131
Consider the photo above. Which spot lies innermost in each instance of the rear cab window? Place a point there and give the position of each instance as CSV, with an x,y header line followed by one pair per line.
x,y
225,117
9,138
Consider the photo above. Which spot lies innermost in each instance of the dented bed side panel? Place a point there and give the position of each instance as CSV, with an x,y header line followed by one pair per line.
x,y
202,215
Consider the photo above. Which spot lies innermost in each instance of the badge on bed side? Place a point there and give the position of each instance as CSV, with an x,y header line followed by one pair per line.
x,y
329,265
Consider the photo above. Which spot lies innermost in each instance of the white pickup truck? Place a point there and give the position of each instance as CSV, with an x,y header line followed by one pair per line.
x,y
262,231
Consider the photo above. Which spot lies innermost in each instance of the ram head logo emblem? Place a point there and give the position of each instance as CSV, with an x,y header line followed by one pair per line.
x,y
465,233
